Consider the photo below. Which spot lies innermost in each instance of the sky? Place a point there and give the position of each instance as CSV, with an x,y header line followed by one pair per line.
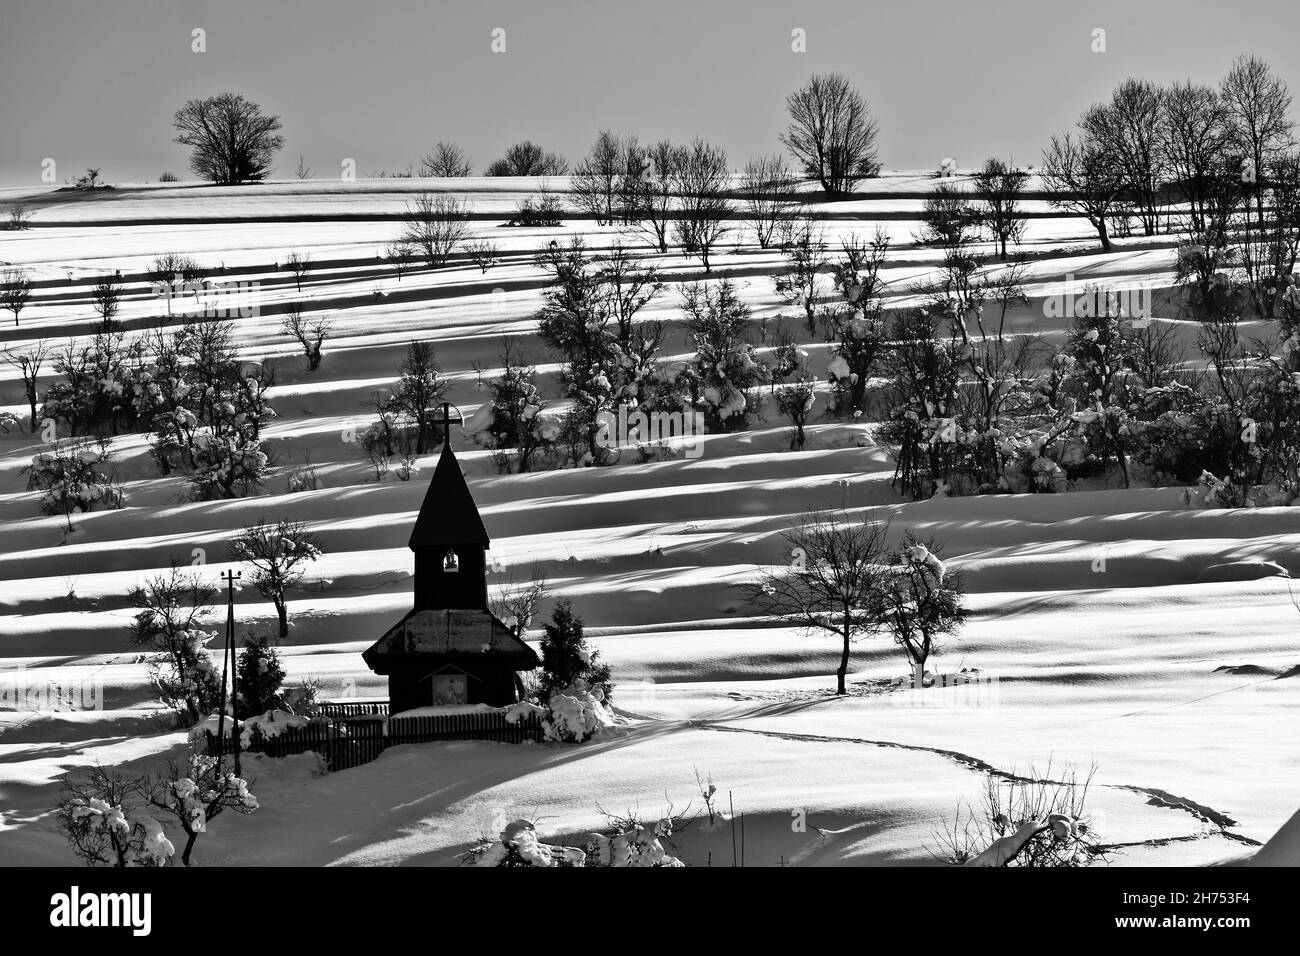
x,y
95,82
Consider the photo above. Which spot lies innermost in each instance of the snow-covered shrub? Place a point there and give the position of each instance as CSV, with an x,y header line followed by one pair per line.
x,y
805,259
384,438
796,402
196,792
610,360
225,465
574,321
1100,349
1249,425
639,846
567,660
206,410
170,606
75,477
519,845
920,602
104,817
408,424
544,209
303,477
1032,820
576,714
514,417
260,676
924,374
1030,467
97,383
724,370
856,324
269,725
188,679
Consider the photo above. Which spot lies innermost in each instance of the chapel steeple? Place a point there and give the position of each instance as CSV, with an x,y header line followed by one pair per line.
x,y
449,540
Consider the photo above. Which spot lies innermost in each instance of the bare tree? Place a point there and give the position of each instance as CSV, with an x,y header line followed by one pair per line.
x,y
310,333
484,253
303,171
832,583
1127,130
279,554
626,287
652,192
298,264
516,603
832,133
15,291
805,261
445,160
701,180
29,365
419,392
922,602
232,140
19,217
1083,179
1267,248
434,226
107,296
400,256
1194,139
767,189
1000,187
1258,108
597,180
170,272
528,159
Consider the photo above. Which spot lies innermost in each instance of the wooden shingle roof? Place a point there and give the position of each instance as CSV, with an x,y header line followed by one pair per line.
x,y
449,634
448,515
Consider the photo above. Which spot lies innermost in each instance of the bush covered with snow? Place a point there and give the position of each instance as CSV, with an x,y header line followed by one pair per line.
x,y
105,817
198,790
75,477
568,661
512,420
206,410
519,845
1036,820
270,725
96,385
576,714
724,371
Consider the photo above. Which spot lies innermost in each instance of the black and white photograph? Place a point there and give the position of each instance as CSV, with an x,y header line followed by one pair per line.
x,y
715,435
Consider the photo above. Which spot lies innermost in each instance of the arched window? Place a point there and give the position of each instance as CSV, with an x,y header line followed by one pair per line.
x,y
450,562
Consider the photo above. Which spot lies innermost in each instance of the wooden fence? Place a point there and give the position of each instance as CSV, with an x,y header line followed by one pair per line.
x,y
351,742
354,708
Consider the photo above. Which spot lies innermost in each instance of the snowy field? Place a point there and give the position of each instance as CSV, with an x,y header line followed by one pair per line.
x,y
1160,664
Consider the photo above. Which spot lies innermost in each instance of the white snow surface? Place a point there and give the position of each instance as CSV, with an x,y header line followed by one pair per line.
x,y
1172,682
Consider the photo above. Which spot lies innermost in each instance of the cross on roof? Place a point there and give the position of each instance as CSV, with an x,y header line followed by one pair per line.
x,y
446,419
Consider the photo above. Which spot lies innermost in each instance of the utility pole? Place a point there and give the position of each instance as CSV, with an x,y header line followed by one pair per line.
x,y
228,662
